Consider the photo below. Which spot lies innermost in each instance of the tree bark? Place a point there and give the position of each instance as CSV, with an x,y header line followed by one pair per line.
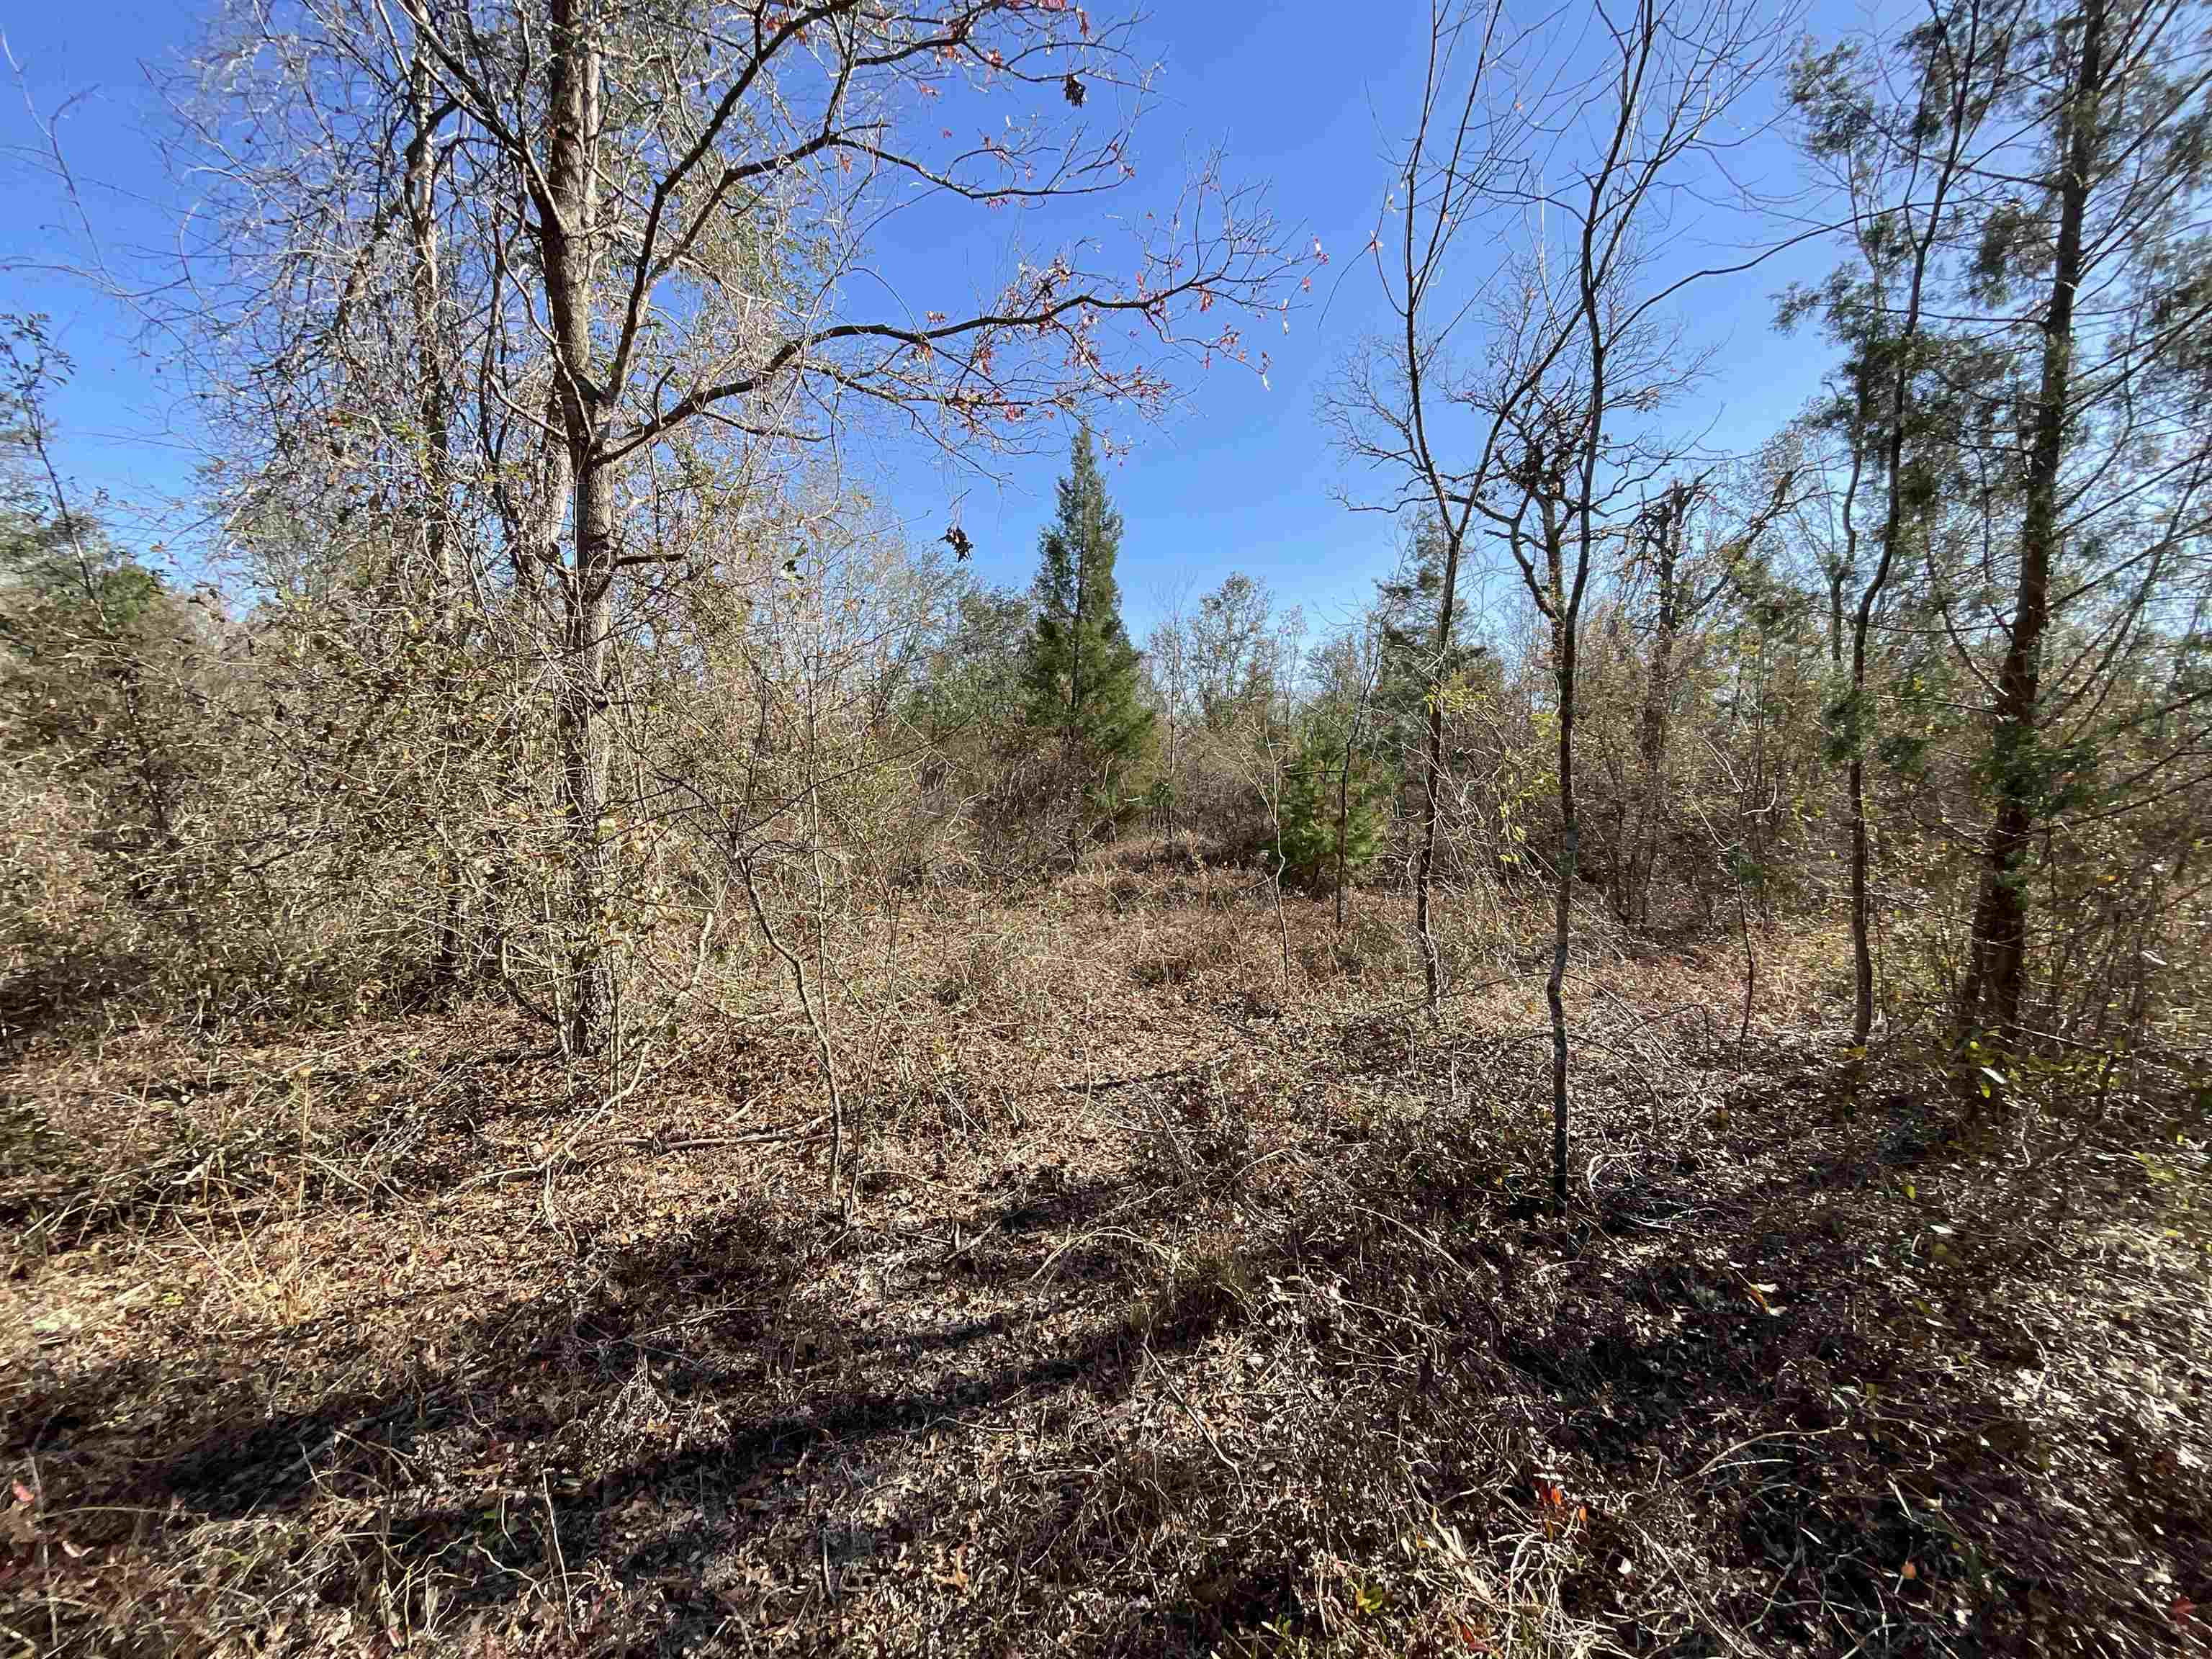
x,y
1433,780
1998,958
1569,853
1862,861
1075,760
1424,858
588,610
433,418
1343,821
567,220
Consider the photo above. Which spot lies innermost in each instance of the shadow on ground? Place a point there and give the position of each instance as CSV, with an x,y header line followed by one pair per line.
x,y
1147,1418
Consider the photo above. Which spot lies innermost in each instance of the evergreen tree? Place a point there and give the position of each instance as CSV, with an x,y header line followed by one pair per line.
x,y
1081,677
1324,799
1405,606
1405,611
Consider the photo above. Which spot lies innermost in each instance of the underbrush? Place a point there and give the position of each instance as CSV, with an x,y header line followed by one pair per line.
x,y
1182,1294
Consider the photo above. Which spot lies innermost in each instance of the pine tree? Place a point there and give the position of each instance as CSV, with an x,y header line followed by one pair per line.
x,y
1081,677
1408,675
1406,607
1322,800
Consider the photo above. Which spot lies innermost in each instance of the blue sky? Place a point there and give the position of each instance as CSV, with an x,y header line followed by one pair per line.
x,y
1238,477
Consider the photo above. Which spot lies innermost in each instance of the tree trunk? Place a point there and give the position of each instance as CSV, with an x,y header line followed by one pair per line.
x,y
1343,821
1174,773
434,420
1425,858
1569,851
1863,620
1432,780
583,747
1847,568
1997,958
1861,944
1565,613
568,219
1077,812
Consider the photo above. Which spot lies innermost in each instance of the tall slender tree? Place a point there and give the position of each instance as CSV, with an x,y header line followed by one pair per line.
x,y
2020,764
1542,436
1902,164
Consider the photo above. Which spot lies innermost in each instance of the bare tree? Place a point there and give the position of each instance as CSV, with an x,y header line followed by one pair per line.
x,y
1392,405
1690,569
683,204
1574,357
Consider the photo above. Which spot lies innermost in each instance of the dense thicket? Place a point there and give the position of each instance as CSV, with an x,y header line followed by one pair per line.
x,y
548,666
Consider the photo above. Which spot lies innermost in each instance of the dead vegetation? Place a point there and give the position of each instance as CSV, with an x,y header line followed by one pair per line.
x,y
1171,1315
593,1059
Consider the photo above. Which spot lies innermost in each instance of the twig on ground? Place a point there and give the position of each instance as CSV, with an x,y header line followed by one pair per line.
x,y
553,1541
1194,1414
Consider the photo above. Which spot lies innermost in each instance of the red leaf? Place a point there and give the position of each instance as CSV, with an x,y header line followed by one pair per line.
x,y
23,1494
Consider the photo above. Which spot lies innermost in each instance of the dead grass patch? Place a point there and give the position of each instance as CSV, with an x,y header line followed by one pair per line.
x,y
1164,1324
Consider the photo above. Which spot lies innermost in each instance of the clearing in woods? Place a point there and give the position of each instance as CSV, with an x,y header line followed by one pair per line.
x,y
1170,1314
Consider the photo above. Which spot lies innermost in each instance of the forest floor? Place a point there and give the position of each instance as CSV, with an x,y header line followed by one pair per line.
x,y
1188,1303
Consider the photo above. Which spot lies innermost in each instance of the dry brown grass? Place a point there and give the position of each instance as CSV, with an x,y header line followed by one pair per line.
x,y
1193,1302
